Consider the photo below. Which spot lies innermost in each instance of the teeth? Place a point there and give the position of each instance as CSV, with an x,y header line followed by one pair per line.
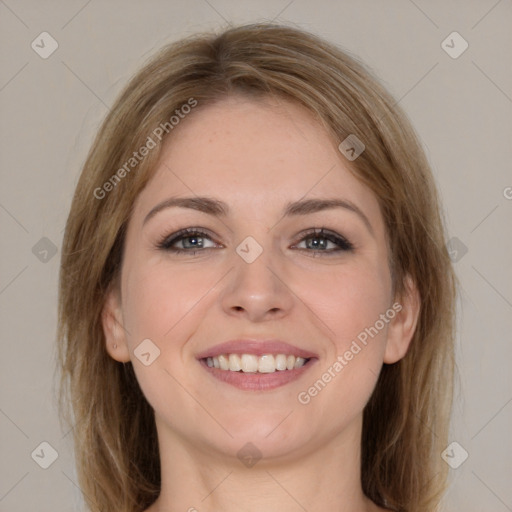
x,y
267,364
235,363
250,363
223,362
281,362
298,362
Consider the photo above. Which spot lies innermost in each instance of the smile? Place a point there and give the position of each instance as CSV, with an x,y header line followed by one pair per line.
x,y
249,372
251,363
256,364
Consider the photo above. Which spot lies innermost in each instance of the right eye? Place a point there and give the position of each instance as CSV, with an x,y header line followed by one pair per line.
x,y
192,240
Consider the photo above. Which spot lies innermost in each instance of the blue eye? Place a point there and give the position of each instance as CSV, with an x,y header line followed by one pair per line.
x,y
192,240
321,238
192,237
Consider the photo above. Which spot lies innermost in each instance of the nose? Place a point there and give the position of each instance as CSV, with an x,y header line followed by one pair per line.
x,y
257,291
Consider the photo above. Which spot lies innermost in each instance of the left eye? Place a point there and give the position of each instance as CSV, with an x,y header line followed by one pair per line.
x,y
321,239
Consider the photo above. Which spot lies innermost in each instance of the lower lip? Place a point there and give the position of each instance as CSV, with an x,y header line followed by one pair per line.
x,y
258,381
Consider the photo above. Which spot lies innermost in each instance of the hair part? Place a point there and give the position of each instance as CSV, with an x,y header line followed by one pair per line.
x,y
405,423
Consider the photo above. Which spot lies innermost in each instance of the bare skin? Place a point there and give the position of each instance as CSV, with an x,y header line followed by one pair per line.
x,y
256,157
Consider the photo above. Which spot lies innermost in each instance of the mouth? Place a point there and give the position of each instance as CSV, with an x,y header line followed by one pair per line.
x,y
256,365
251,363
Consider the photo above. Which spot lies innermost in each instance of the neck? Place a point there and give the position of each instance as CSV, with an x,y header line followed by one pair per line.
x,y
198,478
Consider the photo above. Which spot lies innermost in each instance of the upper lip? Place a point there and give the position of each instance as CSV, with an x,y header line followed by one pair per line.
x,y
256,347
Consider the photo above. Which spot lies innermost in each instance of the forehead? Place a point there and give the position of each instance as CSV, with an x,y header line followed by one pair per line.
x,y
253,154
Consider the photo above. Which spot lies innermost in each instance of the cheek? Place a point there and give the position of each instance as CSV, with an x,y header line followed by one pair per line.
x,y
158,300
349,300
352,303
165,305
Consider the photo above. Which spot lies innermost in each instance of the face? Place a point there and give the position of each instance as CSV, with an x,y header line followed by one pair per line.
x,y
306,288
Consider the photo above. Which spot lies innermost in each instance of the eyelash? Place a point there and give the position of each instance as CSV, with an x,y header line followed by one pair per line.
x,y
168,241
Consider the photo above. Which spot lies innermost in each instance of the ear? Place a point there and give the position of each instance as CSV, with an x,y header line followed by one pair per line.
x,y
402,327
113,328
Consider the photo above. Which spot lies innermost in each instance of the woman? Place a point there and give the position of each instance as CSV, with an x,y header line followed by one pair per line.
x,y
256,302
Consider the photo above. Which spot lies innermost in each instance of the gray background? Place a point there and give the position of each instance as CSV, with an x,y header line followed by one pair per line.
x,y
52,107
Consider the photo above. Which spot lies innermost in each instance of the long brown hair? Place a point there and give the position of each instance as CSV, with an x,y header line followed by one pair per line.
x,y
405,423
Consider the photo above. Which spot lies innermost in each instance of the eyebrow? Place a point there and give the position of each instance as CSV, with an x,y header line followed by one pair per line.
x,y
217,208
